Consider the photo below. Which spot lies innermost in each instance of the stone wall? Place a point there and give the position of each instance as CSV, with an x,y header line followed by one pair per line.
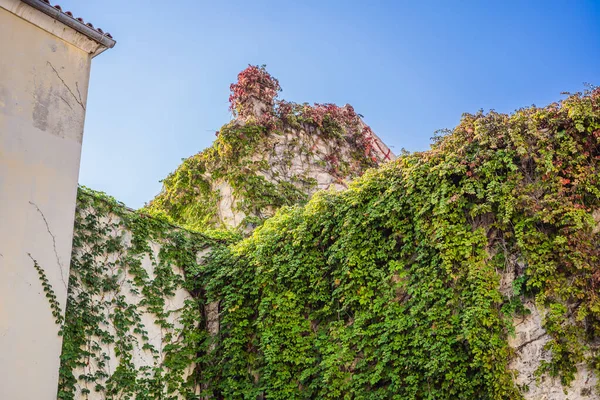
x,y
301,157
131,325
528,342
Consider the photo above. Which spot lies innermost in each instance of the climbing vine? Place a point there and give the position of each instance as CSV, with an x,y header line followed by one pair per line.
x,y
390,289
49,292
268,157
255,87
126,268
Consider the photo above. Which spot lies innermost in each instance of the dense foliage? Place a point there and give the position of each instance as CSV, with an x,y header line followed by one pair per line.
x,y
390,289
266,158
255,87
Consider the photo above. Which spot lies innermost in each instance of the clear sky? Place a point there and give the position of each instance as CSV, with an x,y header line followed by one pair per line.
x,y
410,67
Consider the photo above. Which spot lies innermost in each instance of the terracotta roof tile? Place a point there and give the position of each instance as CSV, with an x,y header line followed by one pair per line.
x,y
70,14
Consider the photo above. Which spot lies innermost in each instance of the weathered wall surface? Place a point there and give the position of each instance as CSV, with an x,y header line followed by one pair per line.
x,y
299,157
528,342
43,88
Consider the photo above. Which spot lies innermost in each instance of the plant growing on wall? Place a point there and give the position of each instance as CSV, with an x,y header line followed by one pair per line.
x,y
126,265
254,93
268,156
389,289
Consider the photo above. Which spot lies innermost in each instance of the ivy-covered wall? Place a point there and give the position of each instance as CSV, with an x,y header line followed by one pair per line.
x,y
136,323
133,326
469,271
274,153
411,284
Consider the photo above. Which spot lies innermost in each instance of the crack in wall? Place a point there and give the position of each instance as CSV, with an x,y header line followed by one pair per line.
x,y
79,101
66,102
521,346
79,93
62,275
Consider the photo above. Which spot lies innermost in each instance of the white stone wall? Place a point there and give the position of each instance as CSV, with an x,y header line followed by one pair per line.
x,y
293,156
528,342
132,295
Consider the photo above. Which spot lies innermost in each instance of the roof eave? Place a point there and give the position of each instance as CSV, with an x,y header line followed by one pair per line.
x,y
80,27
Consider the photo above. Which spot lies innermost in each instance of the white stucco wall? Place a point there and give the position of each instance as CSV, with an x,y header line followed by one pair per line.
x,y
43,89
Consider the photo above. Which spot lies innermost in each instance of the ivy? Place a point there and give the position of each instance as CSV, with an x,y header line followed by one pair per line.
x,y
265,159
389,289
111,291
49,291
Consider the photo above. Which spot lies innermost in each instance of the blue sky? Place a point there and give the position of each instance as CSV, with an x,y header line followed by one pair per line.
x,y
410,67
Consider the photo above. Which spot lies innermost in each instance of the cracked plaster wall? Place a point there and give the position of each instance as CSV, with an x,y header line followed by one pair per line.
x,y
43,89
